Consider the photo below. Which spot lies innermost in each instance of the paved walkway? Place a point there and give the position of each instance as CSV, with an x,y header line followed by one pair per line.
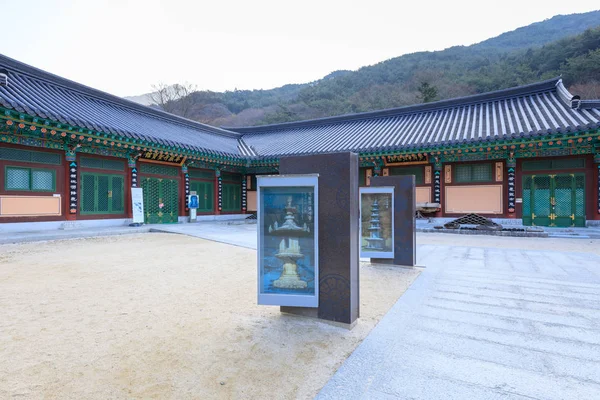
x,y
237,233
483,323
58,234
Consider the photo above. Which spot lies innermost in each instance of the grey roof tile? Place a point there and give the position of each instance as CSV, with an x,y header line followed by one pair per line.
x,y
44,95
530,110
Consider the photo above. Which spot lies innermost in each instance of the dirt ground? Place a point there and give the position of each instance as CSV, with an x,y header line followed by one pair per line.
x,y
163,316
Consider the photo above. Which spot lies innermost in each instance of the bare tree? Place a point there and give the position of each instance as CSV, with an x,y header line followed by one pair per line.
x,y
589,90
175,99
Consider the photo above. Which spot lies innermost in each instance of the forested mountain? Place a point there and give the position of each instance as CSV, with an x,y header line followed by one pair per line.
x,y
540,33
539,51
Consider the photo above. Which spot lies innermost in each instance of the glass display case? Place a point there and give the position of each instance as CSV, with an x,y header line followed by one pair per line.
x,y
377,222
288,272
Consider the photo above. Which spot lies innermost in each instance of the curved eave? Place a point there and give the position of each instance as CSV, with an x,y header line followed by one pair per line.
x,y
13,66
489,141
140,142
533,88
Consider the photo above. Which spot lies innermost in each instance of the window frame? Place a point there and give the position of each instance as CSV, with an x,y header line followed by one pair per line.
x,y
30,170
456,167
29,160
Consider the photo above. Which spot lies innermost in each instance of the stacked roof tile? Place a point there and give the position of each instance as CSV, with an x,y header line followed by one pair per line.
x,y
525,111
44,95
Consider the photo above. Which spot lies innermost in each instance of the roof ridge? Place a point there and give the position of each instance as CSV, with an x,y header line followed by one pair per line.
x,y
37,73
542,86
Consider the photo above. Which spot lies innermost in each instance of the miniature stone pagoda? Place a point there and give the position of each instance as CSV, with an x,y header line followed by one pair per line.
x,y
290,254
375,240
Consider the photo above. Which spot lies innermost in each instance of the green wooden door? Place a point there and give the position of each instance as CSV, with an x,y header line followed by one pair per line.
x,y
562,200
231,197
542,193
569,200
161,199
554,200
206,195
102,194
579,199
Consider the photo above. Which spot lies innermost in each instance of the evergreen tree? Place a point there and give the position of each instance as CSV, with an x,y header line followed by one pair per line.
x,y
427,92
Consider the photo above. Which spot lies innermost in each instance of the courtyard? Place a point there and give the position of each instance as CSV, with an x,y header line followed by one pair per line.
x,y
158,315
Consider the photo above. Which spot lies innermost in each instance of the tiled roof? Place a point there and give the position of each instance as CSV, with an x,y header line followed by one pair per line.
x,y
525,111
47,96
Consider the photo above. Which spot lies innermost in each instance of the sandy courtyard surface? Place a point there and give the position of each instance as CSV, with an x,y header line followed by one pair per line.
x,y
163,316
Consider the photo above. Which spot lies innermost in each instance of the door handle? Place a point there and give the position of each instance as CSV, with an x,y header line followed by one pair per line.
x,y
110,194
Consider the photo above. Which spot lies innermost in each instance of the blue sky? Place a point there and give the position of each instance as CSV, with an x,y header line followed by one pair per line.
x,y
125,46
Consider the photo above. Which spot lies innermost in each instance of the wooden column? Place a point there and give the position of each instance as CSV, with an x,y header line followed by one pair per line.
x,y
218,192
72,184
133,172
244,195
511,181
132,181
186,188
437,186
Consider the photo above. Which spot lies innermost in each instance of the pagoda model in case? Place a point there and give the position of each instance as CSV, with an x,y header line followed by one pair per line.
x,y
288,273
377,222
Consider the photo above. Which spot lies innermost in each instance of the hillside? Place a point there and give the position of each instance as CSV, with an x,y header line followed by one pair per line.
x,y
567,45
541,33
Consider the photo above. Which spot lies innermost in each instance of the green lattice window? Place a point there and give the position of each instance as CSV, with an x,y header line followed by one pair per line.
x,y
418,172
580,197
7,153
30,179
158,169
563,195
465,173
100,163
201,174
561,163
231,197
102,194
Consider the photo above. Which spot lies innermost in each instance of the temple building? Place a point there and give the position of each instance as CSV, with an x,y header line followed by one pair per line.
x,y
70,154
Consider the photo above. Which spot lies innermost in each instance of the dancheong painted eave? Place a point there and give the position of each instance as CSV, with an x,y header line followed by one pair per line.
x,y
529,111
40,94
